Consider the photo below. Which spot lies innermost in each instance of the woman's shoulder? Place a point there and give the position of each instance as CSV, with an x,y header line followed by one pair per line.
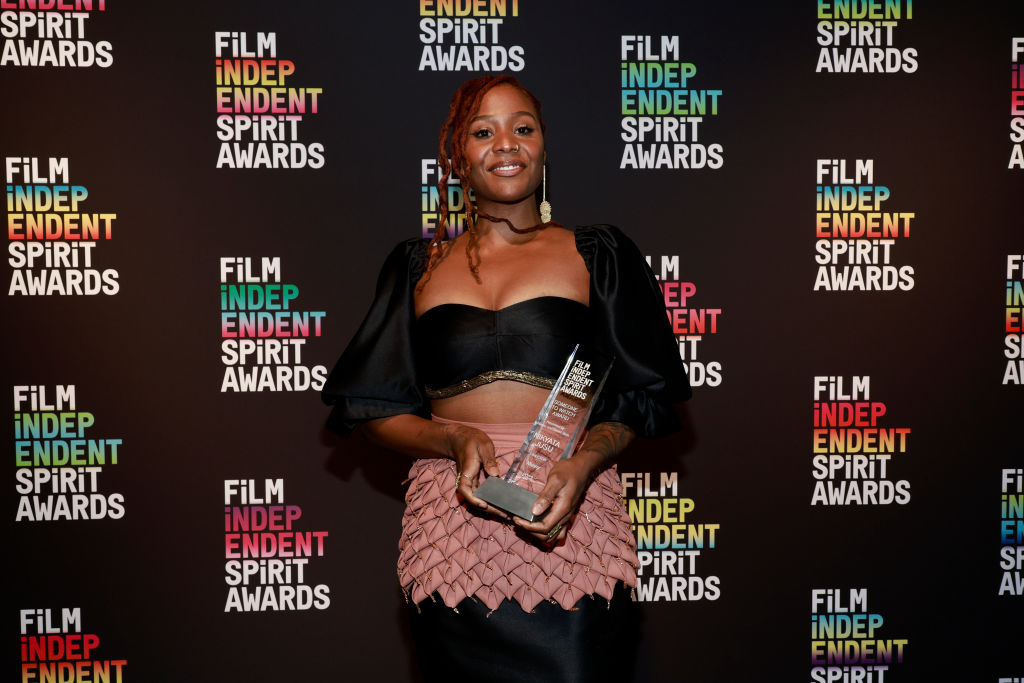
x,y
410,246
409,253
603,241
601,235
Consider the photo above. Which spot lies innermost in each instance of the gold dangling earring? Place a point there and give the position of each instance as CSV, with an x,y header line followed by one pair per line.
x,y
545,205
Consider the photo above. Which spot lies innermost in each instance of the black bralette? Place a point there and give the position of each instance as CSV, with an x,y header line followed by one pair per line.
x,y
458,347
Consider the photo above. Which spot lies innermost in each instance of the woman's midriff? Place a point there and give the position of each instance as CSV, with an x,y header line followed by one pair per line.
x,y
500,401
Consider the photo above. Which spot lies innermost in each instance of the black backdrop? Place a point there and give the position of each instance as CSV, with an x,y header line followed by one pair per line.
x,y
140,133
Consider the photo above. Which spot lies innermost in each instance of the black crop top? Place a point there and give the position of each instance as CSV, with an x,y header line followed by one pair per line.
x,y
458,347
396,363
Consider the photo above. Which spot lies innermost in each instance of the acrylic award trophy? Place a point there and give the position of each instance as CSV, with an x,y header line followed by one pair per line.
x,y
554,434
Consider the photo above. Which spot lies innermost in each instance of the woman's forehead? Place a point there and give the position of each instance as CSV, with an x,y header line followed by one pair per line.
x,y
505,99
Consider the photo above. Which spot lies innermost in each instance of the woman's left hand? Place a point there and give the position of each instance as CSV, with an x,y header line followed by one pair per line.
x,y
560,498
568,481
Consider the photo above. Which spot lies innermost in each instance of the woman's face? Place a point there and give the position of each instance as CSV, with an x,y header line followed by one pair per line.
x,y
505,147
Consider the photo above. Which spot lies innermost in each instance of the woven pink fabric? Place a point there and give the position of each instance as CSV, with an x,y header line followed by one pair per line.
x,y
450,549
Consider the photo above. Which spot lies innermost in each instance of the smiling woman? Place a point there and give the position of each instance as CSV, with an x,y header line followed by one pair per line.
x,y
452,365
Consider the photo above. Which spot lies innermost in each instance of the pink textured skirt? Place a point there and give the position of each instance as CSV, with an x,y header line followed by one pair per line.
x,y
449,549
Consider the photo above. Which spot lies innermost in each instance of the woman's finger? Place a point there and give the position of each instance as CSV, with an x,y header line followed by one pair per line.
x,y
489,459
558,509
549,493
469,447
558,532
467,484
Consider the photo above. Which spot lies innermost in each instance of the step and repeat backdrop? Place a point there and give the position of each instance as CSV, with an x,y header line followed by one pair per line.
x,y
198,199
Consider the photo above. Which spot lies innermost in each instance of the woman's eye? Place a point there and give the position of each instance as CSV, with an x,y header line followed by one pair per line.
x,y
482,133
524,130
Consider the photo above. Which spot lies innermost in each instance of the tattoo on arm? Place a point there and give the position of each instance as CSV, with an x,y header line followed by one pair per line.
x,y
608,439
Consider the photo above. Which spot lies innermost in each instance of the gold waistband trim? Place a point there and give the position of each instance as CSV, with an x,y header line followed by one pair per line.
x,y
487,378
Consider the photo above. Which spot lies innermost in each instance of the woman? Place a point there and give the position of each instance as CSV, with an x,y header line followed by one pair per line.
x,y
452,365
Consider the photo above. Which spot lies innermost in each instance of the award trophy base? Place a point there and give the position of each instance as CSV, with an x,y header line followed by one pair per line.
x,y
512,499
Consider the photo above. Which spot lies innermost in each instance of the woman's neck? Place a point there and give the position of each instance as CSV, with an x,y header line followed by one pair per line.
x,y
522,215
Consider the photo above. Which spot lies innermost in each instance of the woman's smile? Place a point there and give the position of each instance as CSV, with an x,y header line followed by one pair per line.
x,y
507,168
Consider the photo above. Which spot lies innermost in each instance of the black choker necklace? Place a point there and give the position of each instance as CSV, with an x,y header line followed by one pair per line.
x,y
518,231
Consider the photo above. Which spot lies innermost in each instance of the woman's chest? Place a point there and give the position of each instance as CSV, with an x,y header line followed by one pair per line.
x,y
506,278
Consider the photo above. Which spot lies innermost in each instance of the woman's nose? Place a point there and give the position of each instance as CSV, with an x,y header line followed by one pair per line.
x,y
503,142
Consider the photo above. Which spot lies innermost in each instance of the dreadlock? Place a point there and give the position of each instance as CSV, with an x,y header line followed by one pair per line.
x,y
451,157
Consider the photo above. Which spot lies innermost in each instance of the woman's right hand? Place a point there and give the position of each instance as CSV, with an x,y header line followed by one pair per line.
x,y
472,450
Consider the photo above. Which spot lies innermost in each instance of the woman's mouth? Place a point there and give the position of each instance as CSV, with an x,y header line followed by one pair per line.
x,y
507,168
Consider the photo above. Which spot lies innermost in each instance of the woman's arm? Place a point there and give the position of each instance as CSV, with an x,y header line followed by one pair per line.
x,y
568,480
605,441
470,448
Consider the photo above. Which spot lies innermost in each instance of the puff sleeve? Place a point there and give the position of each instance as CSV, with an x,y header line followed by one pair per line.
x,y
628,311
376,375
